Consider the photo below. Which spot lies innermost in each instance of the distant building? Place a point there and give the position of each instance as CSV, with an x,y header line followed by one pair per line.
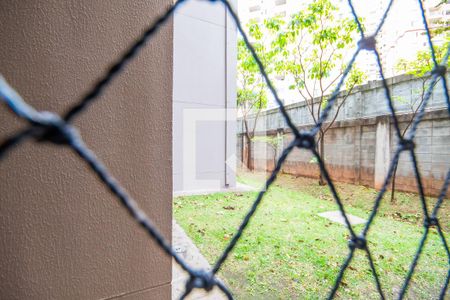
x,y
402,35
260,9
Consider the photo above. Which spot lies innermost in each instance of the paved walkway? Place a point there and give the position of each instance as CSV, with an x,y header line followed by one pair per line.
x,y
188,251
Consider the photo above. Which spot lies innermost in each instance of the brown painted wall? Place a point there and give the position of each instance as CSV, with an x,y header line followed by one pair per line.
x,y
62,235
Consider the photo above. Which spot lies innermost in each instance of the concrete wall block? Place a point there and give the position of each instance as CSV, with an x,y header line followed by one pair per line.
x,y
405,157
423,131
368,149
367,162
440,140
368,103
423,148
441,131
405,170
370,128
368,136
425,168
439,149
441,158
440,123
438,170
438,97
351,108
424,124
424,157
422,141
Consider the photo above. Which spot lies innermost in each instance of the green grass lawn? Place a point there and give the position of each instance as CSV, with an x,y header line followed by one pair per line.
x,y
288,251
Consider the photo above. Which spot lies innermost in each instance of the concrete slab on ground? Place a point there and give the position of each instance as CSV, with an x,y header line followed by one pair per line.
x,y
191,254
336,216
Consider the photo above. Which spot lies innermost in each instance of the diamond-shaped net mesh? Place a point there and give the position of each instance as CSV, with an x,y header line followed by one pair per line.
x,y
46,126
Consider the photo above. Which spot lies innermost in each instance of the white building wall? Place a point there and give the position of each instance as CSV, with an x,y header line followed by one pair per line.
x,y
204,85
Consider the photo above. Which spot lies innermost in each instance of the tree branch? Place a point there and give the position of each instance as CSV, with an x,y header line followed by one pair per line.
x,y
338,109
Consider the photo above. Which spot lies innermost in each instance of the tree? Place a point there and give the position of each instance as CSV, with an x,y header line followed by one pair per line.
x,y
420,67
252,91
313,46
273,142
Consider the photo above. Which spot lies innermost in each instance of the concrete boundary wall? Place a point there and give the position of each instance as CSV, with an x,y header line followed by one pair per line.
x,y
361,143
365,101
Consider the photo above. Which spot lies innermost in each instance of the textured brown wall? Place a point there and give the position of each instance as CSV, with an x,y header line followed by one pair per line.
x,y
62,235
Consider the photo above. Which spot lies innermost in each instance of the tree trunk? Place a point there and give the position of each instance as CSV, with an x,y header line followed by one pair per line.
x,y
274,161
250,165
322,180
275,156
394,174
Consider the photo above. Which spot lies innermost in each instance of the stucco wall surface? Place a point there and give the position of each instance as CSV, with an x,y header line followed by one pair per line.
x,y
62,234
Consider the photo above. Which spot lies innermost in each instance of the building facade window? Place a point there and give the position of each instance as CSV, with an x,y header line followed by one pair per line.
x,y
280,2
254,8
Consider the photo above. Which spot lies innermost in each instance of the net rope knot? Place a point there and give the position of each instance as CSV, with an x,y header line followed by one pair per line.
x,y
367,43
407,144
430,222
51,128
357,242
305,140
439,70
201,280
